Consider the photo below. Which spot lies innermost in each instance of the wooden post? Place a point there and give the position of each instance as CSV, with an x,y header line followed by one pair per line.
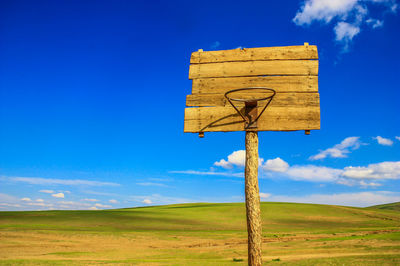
x,y
253,200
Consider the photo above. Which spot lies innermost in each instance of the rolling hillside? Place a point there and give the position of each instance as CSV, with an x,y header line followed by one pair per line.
x,y
200,234
391,206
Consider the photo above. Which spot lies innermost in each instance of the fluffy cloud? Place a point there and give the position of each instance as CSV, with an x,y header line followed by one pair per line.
x,y
323,10
339,150
313,173
194,172
113,201
348,16
26,199
398,138
359,199
349,176
374,23
40,204
151,184
52,181
384,141
147,201
48,191
91,200
275,165
264,196
360,183
237,158
345,31
384,170
58,195
159,199
102,205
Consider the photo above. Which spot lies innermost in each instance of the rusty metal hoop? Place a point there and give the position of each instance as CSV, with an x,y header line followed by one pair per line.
x,y
250,103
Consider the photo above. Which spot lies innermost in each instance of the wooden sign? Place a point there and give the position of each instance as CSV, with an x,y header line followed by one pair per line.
x,y
291,71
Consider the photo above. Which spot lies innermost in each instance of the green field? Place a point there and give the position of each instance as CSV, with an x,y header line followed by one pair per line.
x,y
201,234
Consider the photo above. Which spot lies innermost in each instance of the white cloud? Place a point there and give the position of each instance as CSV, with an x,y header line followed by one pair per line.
x,y
26,199
348,16
159,199
8,202
345,31
91,200
398,138
224,164
374,23
264,196
358,199
384,170
194,172
74,205
40,200
102,205
40,204
113,201
58,195
147,201
275,165
151,184
384,141
339,150
10,205
93,208
360,183
236,158
98,193
51,181
369,184
47,191
313,173
349,176
323,10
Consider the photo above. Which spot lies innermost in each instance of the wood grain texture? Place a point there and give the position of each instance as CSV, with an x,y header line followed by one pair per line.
x,y
280,99
254,54
208,119
254,68
278,83
253,214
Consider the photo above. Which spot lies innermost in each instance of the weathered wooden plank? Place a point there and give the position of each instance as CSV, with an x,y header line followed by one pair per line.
x,y
254,54
278,83
254,68
205,119
280,99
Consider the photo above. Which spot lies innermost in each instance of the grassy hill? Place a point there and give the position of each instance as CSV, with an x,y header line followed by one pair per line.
x,y
200,234
391,206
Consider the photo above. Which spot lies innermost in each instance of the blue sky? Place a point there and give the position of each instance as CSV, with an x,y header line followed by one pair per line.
x,y
92,98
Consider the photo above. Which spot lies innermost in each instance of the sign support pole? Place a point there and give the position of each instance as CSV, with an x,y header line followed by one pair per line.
x,y
254,229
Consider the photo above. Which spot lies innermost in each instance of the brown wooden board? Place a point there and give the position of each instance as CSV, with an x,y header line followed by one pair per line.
x,y
253,54
254,68
280,99
278,83
203,119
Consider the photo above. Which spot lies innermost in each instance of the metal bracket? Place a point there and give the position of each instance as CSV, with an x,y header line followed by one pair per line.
x,y
251,114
